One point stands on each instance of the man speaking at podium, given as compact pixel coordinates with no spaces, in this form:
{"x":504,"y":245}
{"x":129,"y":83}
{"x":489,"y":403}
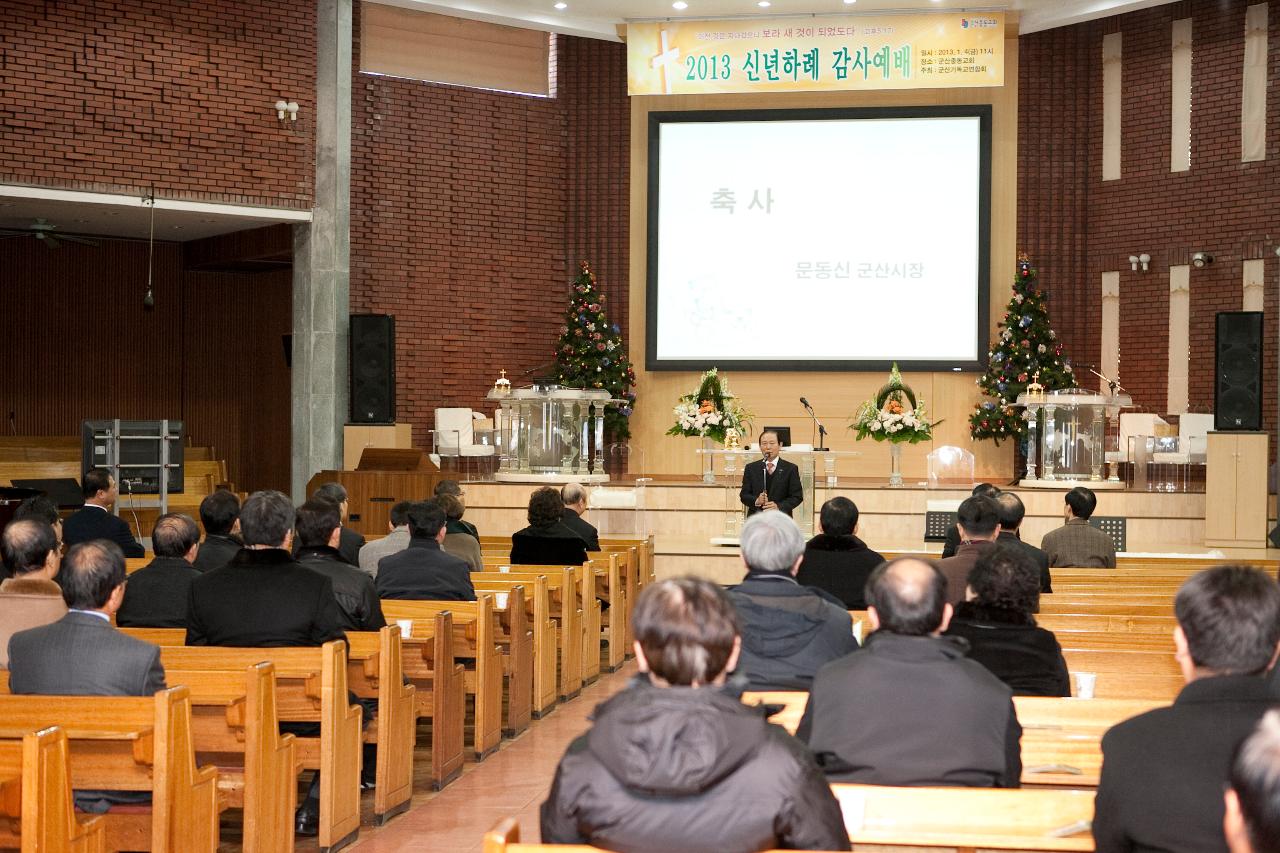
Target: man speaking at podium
{"x":771,"y":482}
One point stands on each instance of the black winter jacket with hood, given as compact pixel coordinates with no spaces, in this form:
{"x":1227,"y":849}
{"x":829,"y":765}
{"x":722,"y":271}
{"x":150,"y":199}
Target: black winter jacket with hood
{"x":689,"y":769}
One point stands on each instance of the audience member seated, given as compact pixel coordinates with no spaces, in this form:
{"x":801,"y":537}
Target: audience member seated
{"x":423,"y":571}
{"x":996,"y":618}
{"x":157,"y":595}
{"x":319,"y":523}
{"x":911,"y":708}
{"x":82,"y":654}
{"x":1078,"y":543}
{"x":836,"y":560}
{"x":574,"y":497}
{"x":674,"y":762}
{"x":30,"y":597}
{"x":264,"y":599}
{"x":788,"y":631}
{"x":952,"y":543}
{"x":350,"y":542}
{"x":1012,"y":512}
{"x":95,"y":521}
{"x":1253,"y":791}
{"x":451,"y":487}
{"x":1163,"y":772}
{"x":396,"y":540}
{"x":457,"y":542}
{"x":978,"y":520}
{"x":547,"y":541}
{"x":40,"y":508}
{"x":220,"y":515}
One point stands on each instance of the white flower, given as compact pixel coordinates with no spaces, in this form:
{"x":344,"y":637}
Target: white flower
{"x":874,"y":426}
{"x":713,"y":418}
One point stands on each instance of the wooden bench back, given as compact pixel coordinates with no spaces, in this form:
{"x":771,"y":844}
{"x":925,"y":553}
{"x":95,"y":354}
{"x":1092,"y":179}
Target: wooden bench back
{"x":35,"y":797}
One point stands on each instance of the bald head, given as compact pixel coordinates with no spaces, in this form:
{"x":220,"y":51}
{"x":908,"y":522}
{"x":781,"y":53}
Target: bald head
{"x":30,"y":545}
{"x":909,"y":596}
{"x":175,"y":535}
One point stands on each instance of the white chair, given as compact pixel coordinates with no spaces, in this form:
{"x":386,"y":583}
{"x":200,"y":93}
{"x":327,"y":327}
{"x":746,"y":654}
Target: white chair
{"x":1132,"y":425}
{"x":455,"y":437}
{"x":950,"y":467}
{"x":1192,"y":446}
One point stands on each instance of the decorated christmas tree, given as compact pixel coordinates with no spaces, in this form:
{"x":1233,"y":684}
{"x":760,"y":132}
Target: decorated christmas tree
{"x":1025,"y":350}
{"x":590,"y":353}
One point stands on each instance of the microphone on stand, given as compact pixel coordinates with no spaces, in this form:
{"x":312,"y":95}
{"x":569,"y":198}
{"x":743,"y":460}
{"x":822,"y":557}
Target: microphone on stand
{"x":822,"y":431}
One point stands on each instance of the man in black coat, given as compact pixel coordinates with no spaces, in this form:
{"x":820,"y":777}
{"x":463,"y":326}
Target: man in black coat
{"x":836,"y":560}
{"x":674,"y":762}
{"x":1163,"y":772}
{"x":424,"y":571}
{"x":910,"y":708}
{"x":318,"y":523}
{"x":1011,"y":513}
{"x":771,"y":482}
{"x":547,"y":541}
{"x":952,"y":542}
{"x":264,"y":599}
{"x":95,"y":521}
{"x":789,"y":631}
{"x":157,"y":595}
{"x":220,"y":515}
{"x":575,"y":506}
{"x":349,"y":542}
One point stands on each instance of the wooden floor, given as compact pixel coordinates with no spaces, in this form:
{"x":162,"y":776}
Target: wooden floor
{"x":514,"y":781}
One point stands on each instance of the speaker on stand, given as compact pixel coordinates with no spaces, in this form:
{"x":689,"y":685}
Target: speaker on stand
{"x":1237,"y":371}
{"x":373,"y":369}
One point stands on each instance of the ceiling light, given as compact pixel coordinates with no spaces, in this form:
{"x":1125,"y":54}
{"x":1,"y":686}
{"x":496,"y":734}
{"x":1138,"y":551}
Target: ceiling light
{"x":763,"y":4}
{"x":562,"y":6}
{"x":850,"y":2}
{"x":679,"y":5}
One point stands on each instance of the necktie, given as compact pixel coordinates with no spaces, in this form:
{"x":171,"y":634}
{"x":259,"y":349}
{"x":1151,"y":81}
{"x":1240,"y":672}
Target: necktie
{"x":770,"y":467}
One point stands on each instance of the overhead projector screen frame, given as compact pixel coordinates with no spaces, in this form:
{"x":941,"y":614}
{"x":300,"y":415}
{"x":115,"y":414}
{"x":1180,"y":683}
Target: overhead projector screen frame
{"x":975,"y":362}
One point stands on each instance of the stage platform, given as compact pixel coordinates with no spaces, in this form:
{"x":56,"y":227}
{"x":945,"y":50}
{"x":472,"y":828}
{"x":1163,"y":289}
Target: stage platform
{"x":685,"y":514}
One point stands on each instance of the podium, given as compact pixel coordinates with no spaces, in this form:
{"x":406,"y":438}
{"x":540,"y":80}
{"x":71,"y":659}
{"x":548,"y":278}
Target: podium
{"x":384,"y":477}
{"x":549,"y":434}
{"x":723,"y":469}
{"x":1070,"y":444}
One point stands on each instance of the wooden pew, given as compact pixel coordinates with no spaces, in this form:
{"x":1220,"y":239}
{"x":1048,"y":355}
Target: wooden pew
{"x":311,"y":686}
{"x":588,"y":603}
{"x":128,"y":743}
{"x":35,"y":798}
{"x":537,"y":603}
{"x":565,"y":596}
{"x":440,"y":691}
{"x":967,"y":819}
{"x":505,"y":838}
{"x":236,"y":726}
{"x":612,"y":570}
{"x":375,"y":670}
{"x":474,"y":637}
{"x":1161,"y":626}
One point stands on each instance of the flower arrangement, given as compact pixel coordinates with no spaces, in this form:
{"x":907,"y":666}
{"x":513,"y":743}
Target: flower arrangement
{"x":711,"y":411}
{"x":894,"y":415}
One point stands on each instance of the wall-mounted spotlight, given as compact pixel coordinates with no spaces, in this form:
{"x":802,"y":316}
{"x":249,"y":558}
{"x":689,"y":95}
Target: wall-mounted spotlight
{"x":1200,"y":260}
{"x":1144,"y":259}
{"x":289,"y":108}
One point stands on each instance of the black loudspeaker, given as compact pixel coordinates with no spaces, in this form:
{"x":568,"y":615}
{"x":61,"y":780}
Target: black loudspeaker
{"x":373,"y":369}
{"x":1237,"y":371}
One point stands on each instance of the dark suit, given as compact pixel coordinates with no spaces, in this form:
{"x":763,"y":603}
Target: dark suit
{"x":553,"y":545}
{"x":840,"y":565}
{"x":424,"y":572}
{"x":157,"y":595}
{"x":349,"y":545}
{"x":93,"y":522}
{"x":784,"y":486}
{"x":1163,"y":771}
{"x":1039,"y":558}
{"x":83,"y":655}
{"x":215,"y":552}
{"x":264,"y":599}
{"x":582,"y":527}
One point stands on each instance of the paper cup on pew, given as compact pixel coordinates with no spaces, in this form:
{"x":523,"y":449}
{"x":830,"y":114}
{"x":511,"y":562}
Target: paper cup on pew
{"x":500,"y":598}
{"x":504,"y":569}
{"x":406,"y":627}
{"x":1085,"y":682}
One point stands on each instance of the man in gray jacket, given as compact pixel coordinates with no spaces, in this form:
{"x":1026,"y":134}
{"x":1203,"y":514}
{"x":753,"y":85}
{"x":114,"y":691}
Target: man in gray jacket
{"x":911,"y":708}
{"x":789,"y":631}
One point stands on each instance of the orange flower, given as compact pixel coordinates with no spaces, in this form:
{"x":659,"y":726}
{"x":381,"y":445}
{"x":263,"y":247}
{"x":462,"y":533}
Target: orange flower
{"x":893,"y":407}
{"x":706,"y":407}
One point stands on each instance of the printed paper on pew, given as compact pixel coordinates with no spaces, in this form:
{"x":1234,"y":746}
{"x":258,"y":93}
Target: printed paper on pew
{"x":857,"y":630}
{"x":500,"y":598}
{"x":853,"y":805}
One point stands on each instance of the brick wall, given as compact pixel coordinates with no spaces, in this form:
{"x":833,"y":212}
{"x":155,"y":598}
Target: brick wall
{"x":1075,"y":226}
{"x":121,"y":96}
{"x":470,"y":211}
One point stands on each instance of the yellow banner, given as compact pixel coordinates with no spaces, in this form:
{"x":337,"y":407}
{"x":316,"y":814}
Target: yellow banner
{"x":931,"y":51}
